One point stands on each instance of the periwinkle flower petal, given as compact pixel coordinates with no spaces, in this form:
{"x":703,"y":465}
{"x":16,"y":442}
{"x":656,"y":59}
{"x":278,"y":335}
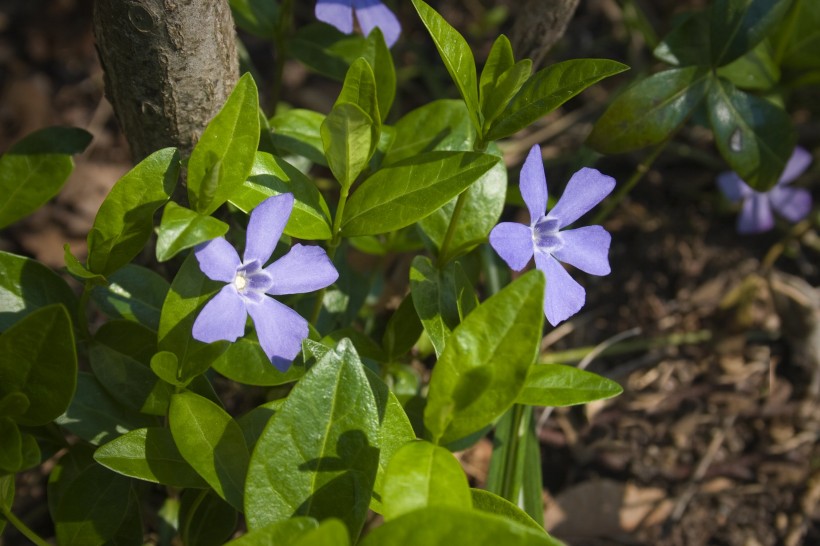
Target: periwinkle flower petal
{"x":372,"y":14}
{"x":533,"y":184}
{"x":563,"y":296}
{"x":733,"y":187}
{"x":797,"y":163}
{"x":302,"y":269}
{"x":222,"y":318}
{"x":513,"y":242}
{"x":756,"y":215}
{"x":586,"y":248}
{"x":338,"y":13}
{"x":793,"y":204}
{"x":217,"y":259}
{"x":265,"y":227}
{"x":585,"y":189}
{"x":280,"y":330}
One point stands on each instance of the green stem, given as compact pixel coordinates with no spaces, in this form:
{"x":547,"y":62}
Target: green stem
{"x":335,"y":241}
{"x":281,"y":40}
{"x":451,"y":228}
{"x":510,"y":485}
{"x":622,"y":192}
{"x":22,"y":527}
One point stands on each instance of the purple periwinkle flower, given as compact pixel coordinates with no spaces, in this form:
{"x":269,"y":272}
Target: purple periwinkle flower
{"x":586,"y":248}
{"x":279,"y":328}
{"x":370,"y":14}
{"x":756,"y":216}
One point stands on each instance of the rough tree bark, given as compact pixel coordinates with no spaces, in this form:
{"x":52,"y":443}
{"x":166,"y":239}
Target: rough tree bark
{"x":169,"y":66}
{"x":539,"y":24}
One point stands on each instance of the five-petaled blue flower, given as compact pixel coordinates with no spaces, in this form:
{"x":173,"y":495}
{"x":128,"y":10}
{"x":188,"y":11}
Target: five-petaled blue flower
{"x":303,"y":269}
{"x":370,"y":14}
{"x":793,"y":204}
{"x":586,"y":248}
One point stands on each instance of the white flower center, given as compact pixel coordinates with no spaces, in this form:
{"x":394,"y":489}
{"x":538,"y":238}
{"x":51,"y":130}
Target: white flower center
{"x":240,"y":282}
{"x":545,"y":235}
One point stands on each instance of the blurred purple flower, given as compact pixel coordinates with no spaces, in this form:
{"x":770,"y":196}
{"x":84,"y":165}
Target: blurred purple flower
{"x":586,"y":248}
{"x":793,"y":204}
{"x":370,"y":14}
{"x":303,"y":269}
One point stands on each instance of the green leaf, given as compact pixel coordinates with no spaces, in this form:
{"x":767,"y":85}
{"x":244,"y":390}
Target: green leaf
{"x":318,"y":456}
{"x":297,"y":131}
{"x":798,"y":38}
{"x":34,"y":169}
{"x":359,"y":88}
{"x":434,"y":297}
{"x":14,"y":404}
{"x":331,"y":532}
{"x":484,"y":365}
{"x":753,"y":135}
{"x":96,"y":417}
{"x":130,"y":338}
{"x":77,"y":269}
{"x":212,"y":443}
{"x":133,"y":293}
{"x":125,"y":220}
{"x":440,"y":125}
{"x":283,"y":532}
{"x":92,"y":508}
{"x":739,"y":25}
{"x":183,"y":228}
{"x":246,"y":362}
{"x":650,"y":111}
{"x":501,"y":79}
{"x":493,"y":504}
{"x":349,"y":137}
{"x":405,"y":192}
{"x":40,"y":360}
{"x":130,"y":532}
{"x":11,"y":446}
{"x":209,"y":521}
{"x":558,"y":385}
{"x":254,"y":422}
{"x":456,"y":54}
{"x":422,"y":475}
{"x":129,"y":381}
{"x":27,"y":285}
{"x":548,"y":89}
{"x":30,"y":451}
{"x":274,"y":176}
{"x":688,"y":42}
{"x":328,"y":51}
{"x":74,"y":460}
{"x":165,"y":365}
{"x":450,"y":526}
{"x":258,"y":17}
{"x":402,"y":331}
{"x":379,"y":57}
{"x":499,"y":60}
{"x":149,"y":454}
{"x":755,"y":70}
{"x":6,"y":497}
{"x":223,"y":157}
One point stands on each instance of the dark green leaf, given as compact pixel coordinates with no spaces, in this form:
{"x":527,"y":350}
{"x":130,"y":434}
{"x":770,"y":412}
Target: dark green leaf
{"x":183,"y":228}
{"x":753,"y":135}
{"x":283,"y":532}
{"x":27,"y":285}
{"x":405,"y":192}
{"x":212,"y":443}
{"x":493,"y":504}
{"x":127,"y":337}
{"x":297,"y":131}
{"x":129,"y":381}
{"x":223,"y":157}
{"x":273,"y":176}
{"x":739,"y":25}
{"x":11,"y":446}
{"x":402,"y":331}
{"x":134,"y":293}
{"x":434,"y":297}
{"x":650,"y":111}
{"x":687,"y":43}
{"x":254,"y":422}
{"x":70,"y":465}
{"x":558,"y":385}
{"x":456,"y":54}
{"x":440,"y":125}
{"x":349,"y":137}
{"x":258,"y":17}
{"x":39,"y":360}
{"x":798,"y":38}
{"x":130,"y":532}
{"x":209,"y":521}
{"x":246,"y":362}
{"x":125,"y":220}
{"x":34,"y":169}
{"x":149,"y":454}
{"x":326,"y":50}
{"x":755,"y":70}
{"x":318,"y":457}
{"x":548,"y":89}
{"x":30,"y":451}
{"x":6,"y":497}
{"x":485,"y":362}
{"x":14,"y":404}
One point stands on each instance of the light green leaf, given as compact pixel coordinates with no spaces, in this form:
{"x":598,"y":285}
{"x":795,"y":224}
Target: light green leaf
{"x":558,"y":385}
{"x":183,"y":228}
{"x":485,"y":362}
{"x":402,"y":331}
{"x":434,"y":297}
{"x":34,"y":169}
{"x":331,"y":532}
{"x":359,"y":88}
{"x":405,"y":192}
{"x":349,"y":137}
{"x":493,"y":504}
{"x":442,"y":125}
{"x":223,"y":157}
{"x":297,"y":131}
{"x":134,"y":293}
{"x":77,"y":269}
{"x":501,"y":79}
{"x":125,"y":220}
{"x":212,"y":443}
{"x":283,"y":532}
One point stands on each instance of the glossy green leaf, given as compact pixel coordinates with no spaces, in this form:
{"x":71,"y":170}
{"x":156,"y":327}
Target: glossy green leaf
{"x":212,"y":443}
{"x":310,"y":219}
{"x":209,"y":520}
{"x":129,"y":381}
{"x":493,"y":504}
{"x":349,"y":137}
{"x":422,"y":475}
{"x":133,"y":293}
{"x":485,"y":362}
{"x":687,"y":43}
{"x":739,"y":25}
{"x":40,"y":360}
{"x":755,"y":70}
{"x":650,"y":111}
{"x":501,"y":79}
{"x":318,"y":457}
{"x":402,"y":331}
{"x":223,"y":157}
{"x":125,"y":220}
{"x":440,"y":125}
{"x":558,"y":385}
{"x":11,"y":446}
{"x":283,"y":532}
{"x":34,"y":169}
{"x":456,"y":54}
{"x":149,"y":454}
{"x":359,"y":88}
{"x":753,"y":135}
{"x":379,"y":57}
{"x":165,"y":365}
{"x":130,"y":338}
{"x":798,"y":38}
{"x":548,"y":89}
{"x":499,"y":60}
{"x":450,"y":526}
{"x":434,"y":297}
{"x":258,"y":17}
{"x":96,"y":417}
{"x":27,"y":285}
{"x":331,"y":532}
{"x":183,"y":228}
{"x":77,"y":269}
{"x":297,"y":131}
{"x":254,"y":422}
{"x":405,"y":192}
{"x":92,"y":508}
{"x":245,"y":362}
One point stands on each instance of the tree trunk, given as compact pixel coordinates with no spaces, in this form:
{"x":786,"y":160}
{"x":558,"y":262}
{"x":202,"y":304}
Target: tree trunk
{"x":169,"y":67}
{"x":539,"y":24}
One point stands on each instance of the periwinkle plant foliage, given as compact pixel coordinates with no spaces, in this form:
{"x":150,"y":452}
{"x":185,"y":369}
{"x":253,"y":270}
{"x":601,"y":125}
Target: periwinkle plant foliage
{"x":127,"y":401}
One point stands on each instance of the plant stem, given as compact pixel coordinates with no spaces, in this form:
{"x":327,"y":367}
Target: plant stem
{"x":335,"y":241}
{"x":22,"y":527}
{"x":510,"y":489}
{"x":451,"y":229}
{"x":189,"y":517}
{"x":281,"y":41}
